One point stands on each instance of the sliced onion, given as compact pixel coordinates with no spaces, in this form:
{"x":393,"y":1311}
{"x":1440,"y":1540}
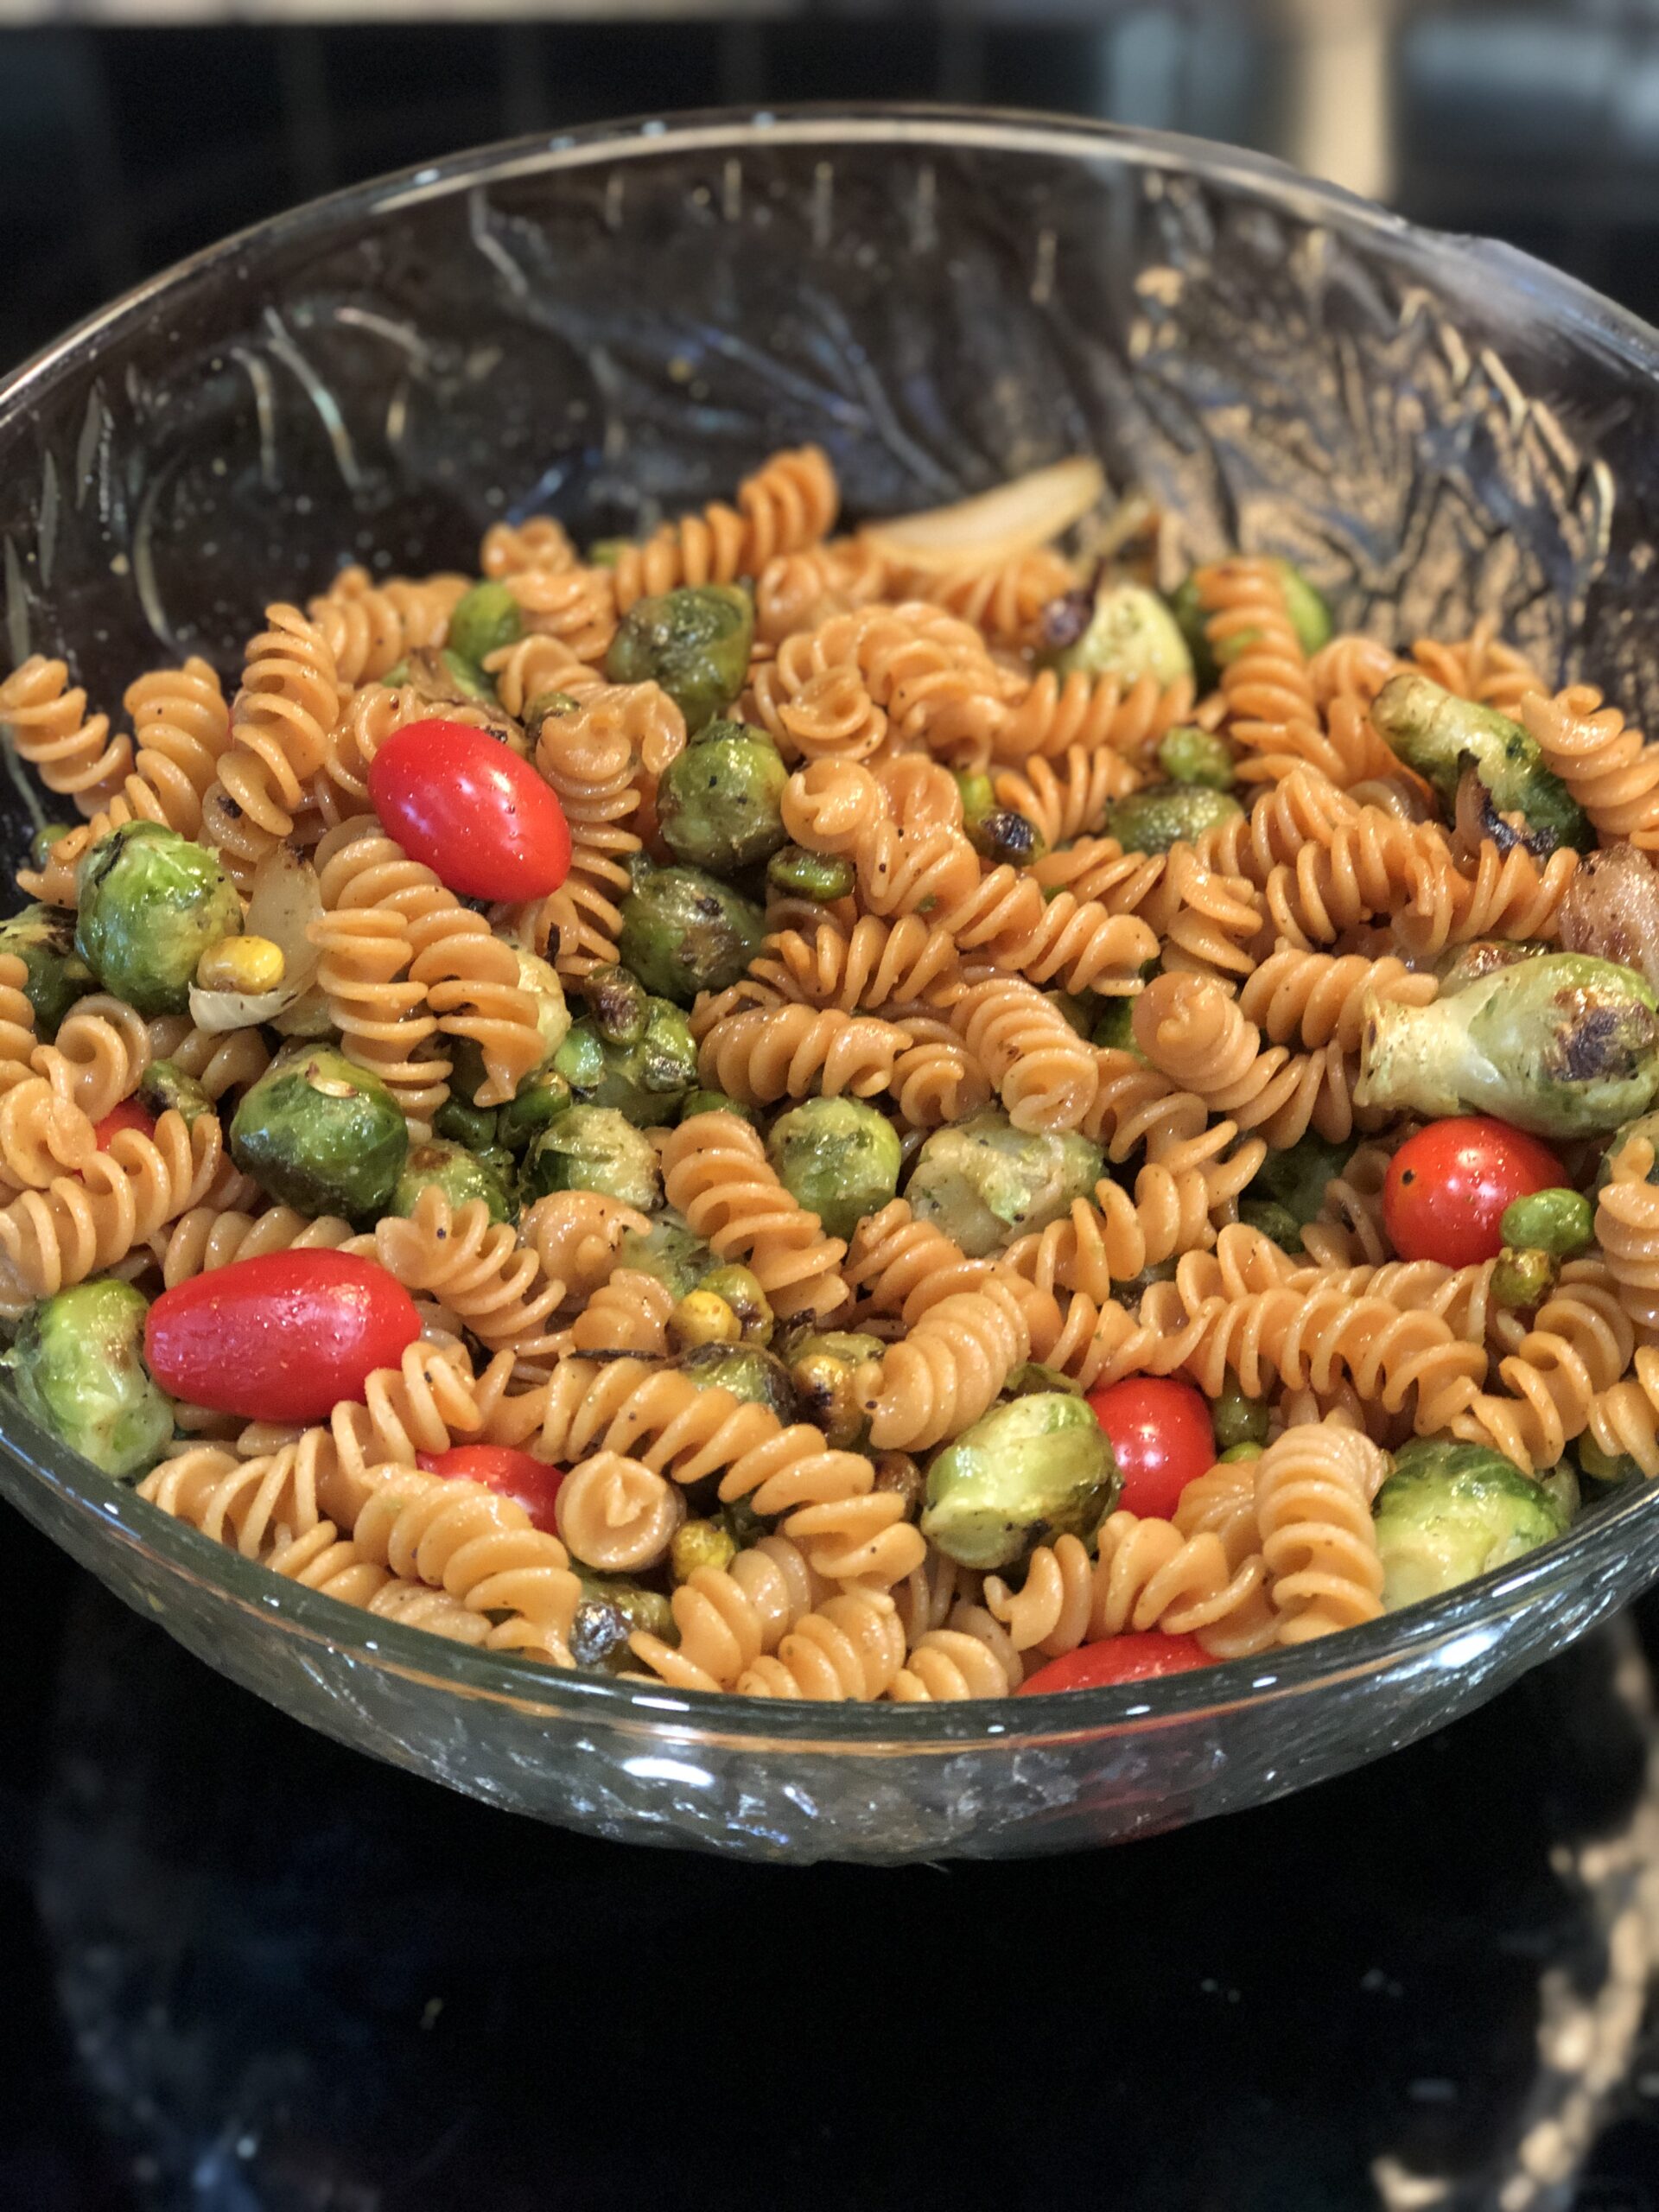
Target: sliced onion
{"x":285,"y":901}
{"x":218,"y":1011}
{"x":998,"y":525}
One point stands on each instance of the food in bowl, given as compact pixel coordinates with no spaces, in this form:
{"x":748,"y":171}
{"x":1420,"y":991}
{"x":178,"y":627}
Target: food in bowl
{"x":892,"y":1115}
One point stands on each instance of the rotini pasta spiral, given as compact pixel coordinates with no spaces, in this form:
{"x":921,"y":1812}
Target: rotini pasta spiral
{"x":288,"y":702}
{"x":1627,"y":1230}
{"x":972,"y":1656}
{"x":368,"y":628}
{"x":1190,"y":1028}
{"x":865,"y":970}
{"x":1610,"y":768}
{"x":99,"y":1056}
{"x":475,"y":1268}
{"x":851,"y":1646}
{"x":728,"y":1619}
{"x":1067,"y":803}
{"x":71,"y":751}
{"x":615,"y":1514}
{"x":208,"y":1237}
{"x":946,"y":1372}
{"x":715,"y":1173}
{"x":84,"y":1223}
{"x":789,"y":503}
{"x":41,"y":1136}
{"x":538,"y":542}
{"x":1314,"y":1492}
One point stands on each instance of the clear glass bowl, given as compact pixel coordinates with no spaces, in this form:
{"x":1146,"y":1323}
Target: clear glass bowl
{"x":619,"y":322}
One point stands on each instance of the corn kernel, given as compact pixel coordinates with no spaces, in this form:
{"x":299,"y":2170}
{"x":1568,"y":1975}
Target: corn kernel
{"x":241,"y":963}
{"x":701,"y":1318}
{"x":699,"y":1543}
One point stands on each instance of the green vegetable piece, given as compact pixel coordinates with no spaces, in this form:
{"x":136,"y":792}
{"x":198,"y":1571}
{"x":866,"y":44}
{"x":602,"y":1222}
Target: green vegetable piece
{"x":824,"y":1368}
{"x":720,"y":805}
{"x":695,"y":642}
{"x":1452,"y":1511}
{"x":1468,"y":964}
{"x":985,"y":1183}
{"x":1031,"y":1378}
{"x":150,"y":904}
{"x":1562,"y":1223}
{"x":838,"y":1158}
{"x":1523,"y":1278}
{"x":457,"y":1122}
{"x":1646,"y":1127}
{"x":1310,"y":618}
{"x":485,"y":618}
{"x":1238,"y":1419}
{"x":1162,"y":815}
{"x":594,"y":1148}
{"x":165,"y":1088}
{"x":618,"y":1005}
{"x":1033,"y":1469}
{"x":715,"y":1101}
{"x":978,"y":795}
{"x":445,"y":678}
{"x":1190,"y":755}
{"x":1237,"y":1451}
{"x":1441,"y":736}
{"x":699,"y":1543}
{"x":1006,"y":838}
{"x":1564,"y":1046}
{"x":1296,"y":1178}
{"x":646,"y":1080}
{"x":540,"y":979}
{"x":683,"y":931}
{"x":1273,"y":1220}
{"x":1607,"y":1467}
{"x":321,"y":1134}
{"x":462,"y":1176}
{"x":534,"y":1106}
{"x":897,"y":1474}
{"x":741,"y":1289}
{"x":639,"y":1607}
{"x":1114,"y":1029}
{"x":606,"y":552}
{"x":44,"y":840}
{"x":78,"y":1361}
{"x":598,"y":1633}
{"x":669,"y":1250}
{"x":55,"y":976}
{"x":1131,"y":633}
{"x":750,"y":1372}
{"x":821,"y":877}
{"x":1561,"y":1483}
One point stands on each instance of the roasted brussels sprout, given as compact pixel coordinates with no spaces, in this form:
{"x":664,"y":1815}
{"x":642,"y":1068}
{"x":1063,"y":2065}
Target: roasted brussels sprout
{"x":1238,"y":1419}
{"x":78,"y":1361}
{"x":619,"y":1005}
{"x":1190,"y":755}
{"x":484,"y":620}
{"x":444,"y":679}
{"x":594,"y":1148}
{"x":534,"y":1106}
{"x":703,"y":1317}
{"x":1560,"y":1223}
{"x":699,"y":1543}
{"x":695,"y":642}
{"x":1274,"y":1220}
{"x":599,"y":1632}
{"x":43,"y":938}
{"x":1563,"y":1046}
{"x":838,"y":1158}
{"x":320,"y":1132}
{"x":150,"y":904}
{"x":1006,"y":838}
{"x":713,"y":1102}
{"x":1295,"y":1178}
{"x":683,"y":931}
{"x":669,"y":1250}
{"x":1450,"y":1511}
{"x":1523,"y":1278}
{"x":1309,"y":615}
{"x":165,"y":1088}
{"x":475,"y":1127}
{"x":1131,"y":633}
{"x":1033,"y":1469}
{"x":1468,"y":964}
{"x":823,"y":1367}
{"x":978,"y":795}
{"x":646,"y":1079}
{"x":739,"y":1290}
{"x":462,"y":1176}
{"x":985,"y":1184}
{"x":1611,"y":909}
{"x":540,"y":979}
{"x":748,"y":1371}
{"x":1162,"y":815}
{"x":821,"y":877}
{"x":1444,"y":737}
{"x":720,"y":805}
{"x":898,"y":1474}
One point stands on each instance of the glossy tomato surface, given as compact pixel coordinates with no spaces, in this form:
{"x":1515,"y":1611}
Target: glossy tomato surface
{"x":479,"y":817}
{"x":1448,"y":1186}
{"x":281,"y":1338}
{"x":129,"y":1115}
{"x":1161,"y":1438}
{"x":529,"y":1481}
{"x":1118,"y":1659}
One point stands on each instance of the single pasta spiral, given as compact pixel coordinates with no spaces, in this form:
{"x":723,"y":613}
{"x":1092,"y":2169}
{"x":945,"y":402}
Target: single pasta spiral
{"x":1579,"y":1345}
{"x":615,"y":1514}
{"x":41,"y":1135}
{"x":368,"y":628}
{"x":99,"y":1056}
{"x":1627,"y":1230}
{"x":575,"y":606}
{"x":715,"y":1173}
{"x":850,"y":1648}
{"x":972,"y":1656}
{"x":1189,"y":1027}
{"x":789,"y":503}
{"x":83,"y":1224}
{"x":628,"y":1313}
{"x":538,"y":542}
{"x":728,"y":1617}
{"x":289,"y":702}
{"x":477,"y":1268}
{"x":1610,"y":768}
{"x":1044,"y":1071}
{"x":947,"y":1370}
{"x":1054,"y":714}
{"x":1071,"y":801}
{"x":785,"y":1052}
{"x":1313,"y":1493}
{"x":207,"y":1237}
{"x":1312,"y":999}
{"x":71,"y":751}
{"x":864,"y":971}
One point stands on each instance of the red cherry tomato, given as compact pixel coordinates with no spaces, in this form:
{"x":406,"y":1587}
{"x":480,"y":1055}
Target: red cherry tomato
{"x":282,"y":1338}
{"x":475,"y":813}
{"x":1118,"y":1659}
{"x":529,"y":1481}
{"x":1161,"y":1438}
{"x":129,"y":1115}
{"x":1448,"y":1186}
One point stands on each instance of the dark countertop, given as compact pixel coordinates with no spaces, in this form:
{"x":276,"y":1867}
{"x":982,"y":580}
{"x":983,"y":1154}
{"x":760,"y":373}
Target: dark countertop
{"x":248,"y":1971}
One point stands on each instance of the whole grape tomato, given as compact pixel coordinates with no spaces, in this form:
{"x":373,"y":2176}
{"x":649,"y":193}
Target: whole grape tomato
{"x":1447,"y":1187}
{"x":285,"y":1337}
{"x":481,"y":818}
{"x":1161,"y":1438}
{"x":529,"y":1481}
{"x":1117,"y":1659}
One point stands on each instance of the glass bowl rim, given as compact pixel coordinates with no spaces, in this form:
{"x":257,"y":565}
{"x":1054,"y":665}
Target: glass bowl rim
{"x":656,"y":1711}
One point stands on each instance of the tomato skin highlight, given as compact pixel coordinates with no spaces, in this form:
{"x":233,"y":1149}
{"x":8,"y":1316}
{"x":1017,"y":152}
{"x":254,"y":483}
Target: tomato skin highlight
{"x":1134,"y":1658}
{"x":129,"y":1115}
{"x":1448,"y":1186}
{"x":282,"y":1338}
{"x":458,"y":800}
{"x":1161,"y":1436}
{"x":528,"y":1482}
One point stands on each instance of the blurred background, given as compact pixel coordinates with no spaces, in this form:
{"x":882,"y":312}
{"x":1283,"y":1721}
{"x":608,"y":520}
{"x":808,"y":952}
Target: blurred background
{"x":133,"y":132}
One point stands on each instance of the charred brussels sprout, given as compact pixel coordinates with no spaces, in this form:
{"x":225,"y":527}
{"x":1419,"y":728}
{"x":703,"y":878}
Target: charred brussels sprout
{"x":462,"y":1176}
{"x":485,"y":618}
{"x":683,"y":931}
{"x":739,"y":1290}
{"x":695,"y":642}
{"x":55,"y":976}
{"x":838,"y":1158}
{"x":1560,"y":1223}
{"x":821,"y":877}
{"x":1444,"y":737}
{"x":1131,"y":633}
{"x":534,"y":1106}
{"x":1450,"y":1511}
{"x":150,"y":904}
{"x":1564,"y":1046}
{"x":823,"y":1367}
{"x":703,"y":1317}
{"x":1033,"y":1468}
{"x":1469,"y":963}
{"x":1006,"y":838}
{"x":720,"y":805}
{"x":985,"y":1183}
{"x":1522,"y":1278}
{"x":714,"y":1102}
{"x":1309,"y":617}
{"x":1189,"y":755}
{"x":594,"y":1148}
{"x":164,"y":1088}
{"x":646,"y":1079}
{"x":1162,"y":815}
{"x":978,"y":795}
{"x":748,"y":1371}
{"x":321,"y":1134}
{"x":669,"y":1250}
{"x":619,"y":1005}
{"x":77,"y":1361}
